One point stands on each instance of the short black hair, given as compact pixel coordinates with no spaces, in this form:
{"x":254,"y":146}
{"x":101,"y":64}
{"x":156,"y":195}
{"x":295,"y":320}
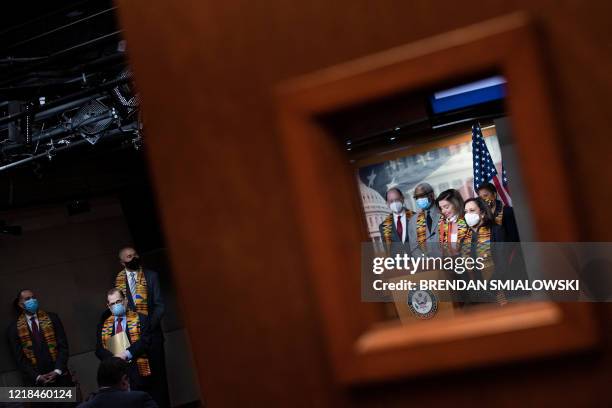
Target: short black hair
{"x":394,"y":189}
{"x":487,"y":186}
{"x":111,"y":371}
{"x":485,"y":210}
{"x":425,"y":186}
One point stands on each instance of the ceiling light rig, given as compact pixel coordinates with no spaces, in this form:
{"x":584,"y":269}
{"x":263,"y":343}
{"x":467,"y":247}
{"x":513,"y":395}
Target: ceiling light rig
{"x":114,"y":113}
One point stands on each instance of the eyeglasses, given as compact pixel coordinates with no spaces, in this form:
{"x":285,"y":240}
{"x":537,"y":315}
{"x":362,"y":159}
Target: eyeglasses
{"x":116,"y":303}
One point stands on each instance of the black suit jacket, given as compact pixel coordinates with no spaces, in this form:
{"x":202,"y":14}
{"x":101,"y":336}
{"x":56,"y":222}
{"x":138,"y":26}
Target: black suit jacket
{"x":511,"y":233}
{"x":116,"y":398}
{"x":155,"y":301}
{"x":44,"y":363}
{"x":509,"y":224}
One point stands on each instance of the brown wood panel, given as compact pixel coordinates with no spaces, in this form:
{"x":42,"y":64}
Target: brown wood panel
{"x":206,"y":72}
{"x":512,"y":46}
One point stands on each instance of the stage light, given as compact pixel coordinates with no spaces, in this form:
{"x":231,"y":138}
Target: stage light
{"x":93,"y":118}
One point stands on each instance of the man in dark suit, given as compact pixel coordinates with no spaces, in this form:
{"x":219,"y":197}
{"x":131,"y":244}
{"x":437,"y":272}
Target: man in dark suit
{"x":136,"y":328}
{"x":395,"y":228}
{"x":114,"y":390}
{"x":39,"y":343}
{"x":424,"y":226}
{"x":144,"y":296}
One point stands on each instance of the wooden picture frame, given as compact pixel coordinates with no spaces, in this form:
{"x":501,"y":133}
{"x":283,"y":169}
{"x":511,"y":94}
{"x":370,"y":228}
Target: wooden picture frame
{"x":361,"y":348}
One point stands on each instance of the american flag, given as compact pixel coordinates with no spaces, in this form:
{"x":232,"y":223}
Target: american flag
{"x":484,"y":168}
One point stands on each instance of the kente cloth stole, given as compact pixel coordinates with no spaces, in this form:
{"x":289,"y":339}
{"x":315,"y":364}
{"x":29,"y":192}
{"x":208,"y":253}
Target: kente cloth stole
{"x":499,"y":218}
{"x":483,"y":243}
{"x":45,"y":326}
{"x":421,"y":229}
{"x":444,"y":231}
{"x":140,"y":299}
{"x":132,"y":325}
{"x":483,"y":249}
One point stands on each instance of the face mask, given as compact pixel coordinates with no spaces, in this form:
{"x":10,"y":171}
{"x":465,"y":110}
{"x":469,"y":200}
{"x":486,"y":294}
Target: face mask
{"x":490,"y":202}
{"x":133,"y":265}
{"x":472,"y":219}
{"x":396,"y":206}
{"x":453,"y":218}
{"x":118,"y":309}
{"x":422,"y":203}
{"x":31,"y":305}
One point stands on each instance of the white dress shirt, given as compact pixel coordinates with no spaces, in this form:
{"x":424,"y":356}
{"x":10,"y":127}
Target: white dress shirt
{"x":402,"y":217}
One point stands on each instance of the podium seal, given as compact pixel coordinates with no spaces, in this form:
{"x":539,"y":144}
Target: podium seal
{"x":422,"y":303}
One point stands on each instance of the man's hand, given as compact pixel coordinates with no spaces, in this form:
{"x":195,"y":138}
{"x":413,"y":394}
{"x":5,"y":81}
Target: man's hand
{"x":50,"y":377}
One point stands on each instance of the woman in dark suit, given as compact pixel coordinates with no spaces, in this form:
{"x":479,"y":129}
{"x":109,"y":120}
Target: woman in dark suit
{"x":477,"y":242}
{"x":502,"y":214}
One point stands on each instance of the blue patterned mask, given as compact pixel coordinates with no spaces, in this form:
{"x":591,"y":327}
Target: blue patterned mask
{"x":118,"y":309}
{"x":31,"y":305}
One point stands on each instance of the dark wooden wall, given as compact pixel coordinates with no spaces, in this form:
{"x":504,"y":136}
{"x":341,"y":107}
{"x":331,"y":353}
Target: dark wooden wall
{"x":206,"y":70}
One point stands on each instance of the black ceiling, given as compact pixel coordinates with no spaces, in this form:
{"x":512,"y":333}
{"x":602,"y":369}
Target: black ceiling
{"x":44,"y":49}
{"x":72,"y":54}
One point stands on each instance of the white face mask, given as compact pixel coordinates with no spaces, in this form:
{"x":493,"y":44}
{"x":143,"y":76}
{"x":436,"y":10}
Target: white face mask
{"x":472,"y":219}
{"x":396,"y":206}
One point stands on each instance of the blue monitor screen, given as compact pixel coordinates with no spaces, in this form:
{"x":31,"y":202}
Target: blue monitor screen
{"x":473,"y":93}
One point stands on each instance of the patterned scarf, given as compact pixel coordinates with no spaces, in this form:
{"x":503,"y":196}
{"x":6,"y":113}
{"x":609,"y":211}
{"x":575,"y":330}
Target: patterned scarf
{"x":483,"y":245}
{"x":499,"y":210}
{"x":421,"y":229}
{"x":132,"y":325}
{"x":499,"y":217}
{"x":45,"y":327}
{"x":483,"y":248}
{"x":387,"y":224}
{"x":140,"y":299}
{"x":444,"y":229}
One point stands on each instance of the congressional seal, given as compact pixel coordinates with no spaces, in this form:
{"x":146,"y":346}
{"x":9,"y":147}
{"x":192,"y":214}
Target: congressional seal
{"x":422,"y":303}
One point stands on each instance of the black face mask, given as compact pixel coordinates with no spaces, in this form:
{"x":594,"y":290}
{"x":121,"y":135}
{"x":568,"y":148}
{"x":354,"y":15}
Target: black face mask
{"x":134,"y":264}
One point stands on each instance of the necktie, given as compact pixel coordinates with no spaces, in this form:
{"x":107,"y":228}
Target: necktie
{"x":429,"y":221}
{"x":400,"y":228}
{"x":35,"y":331}
{"x":119,"y":328}
{"x":133,"y":283}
